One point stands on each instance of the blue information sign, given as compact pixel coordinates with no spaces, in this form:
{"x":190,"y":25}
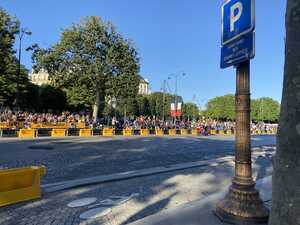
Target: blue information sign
{"x":240,"y":50}
{"x":238,"y":25}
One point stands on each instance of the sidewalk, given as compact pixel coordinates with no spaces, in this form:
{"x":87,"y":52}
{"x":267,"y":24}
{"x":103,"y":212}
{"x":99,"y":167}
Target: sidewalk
{"x":201,"y":212}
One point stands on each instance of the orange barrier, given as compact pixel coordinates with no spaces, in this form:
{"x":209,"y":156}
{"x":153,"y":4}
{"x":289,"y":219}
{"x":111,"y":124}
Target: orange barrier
{"x":85,"y":132}
{"x":4,"y":125}
{"x":183,"y":131}
{"x":144,"y":132}
{"x":159,"y":132}
{"x":194,"y":132}
{"x":127,"y":132}
{"x":58,"y":133}
{"x":26,"y":133}
{"x":80,"y":125}
{"x":172,"y":132}
{"x":60,"y":125}
{"x":108,"y":132}
{"x":20,"y":184}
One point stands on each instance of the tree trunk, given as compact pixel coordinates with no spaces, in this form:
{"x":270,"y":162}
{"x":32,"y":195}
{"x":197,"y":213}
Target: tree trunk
{"x":96,"y":105}
{"x":286,"y":177}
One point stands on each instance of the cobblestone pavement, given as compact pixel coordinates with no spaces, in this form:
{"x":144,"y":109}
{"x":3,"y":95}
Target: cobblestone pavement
{"x":156,"y":193}
{"x":73,"y":158}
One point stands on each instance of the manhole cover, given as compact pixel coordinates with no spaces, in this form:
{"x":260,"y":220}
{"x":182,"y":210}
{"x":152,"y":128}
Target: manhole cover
{"x":82,"y":202}
{"x":41,"y":147}
{"x":95,"y":213}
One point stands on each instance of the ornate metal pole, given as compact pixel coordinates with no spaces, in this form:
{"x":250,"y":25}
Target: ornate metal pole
{"x":242,"y":205}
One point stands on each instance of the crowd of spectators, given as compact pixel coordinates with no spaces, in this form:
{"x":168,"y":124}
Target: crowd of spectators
{"x":203,"y":125}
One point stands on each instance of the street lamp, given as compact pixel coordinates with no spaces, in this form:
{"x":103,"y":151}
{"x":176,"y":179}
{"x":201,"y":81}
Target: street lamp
{"x":22,"y":32}
{"x":176,"y":85}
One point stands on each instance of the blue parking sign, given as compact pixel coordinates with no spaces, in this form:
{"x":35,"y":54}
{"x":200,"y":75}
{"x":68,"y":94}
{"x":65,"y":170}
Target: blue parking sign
{"x":238,"y":25}
{"x":238,"y":18}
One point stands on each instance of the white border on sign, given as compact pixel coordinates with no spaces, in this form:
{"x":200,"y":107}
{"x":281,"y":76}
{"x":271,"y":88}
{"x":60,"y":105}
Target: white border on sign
{"x":243,"y":33}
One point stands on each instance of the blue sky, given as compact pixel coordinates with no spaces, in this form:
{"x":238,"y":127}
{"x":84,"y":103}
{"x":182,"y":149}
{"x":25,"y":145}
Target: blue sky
{"x":171,"y":36}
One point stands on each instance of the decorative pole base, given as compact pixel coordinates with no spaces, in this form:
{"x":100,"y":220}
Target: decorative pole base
{"x":242,"y":206}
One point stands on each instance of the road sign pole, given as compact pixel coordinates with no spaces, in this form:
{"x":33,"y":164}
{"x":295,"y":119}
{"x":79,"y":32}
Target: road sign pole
{"x":242,"y":205}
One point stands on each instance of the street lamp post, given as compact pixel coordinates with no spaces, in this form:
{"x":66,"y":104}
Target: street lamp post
{"x":22,"y":32}
{"x":242,"y":205}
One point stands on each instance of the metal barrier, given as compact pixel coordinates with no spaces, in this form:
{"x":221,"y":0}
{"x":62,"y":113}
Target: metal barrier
{"x":20,"y":184}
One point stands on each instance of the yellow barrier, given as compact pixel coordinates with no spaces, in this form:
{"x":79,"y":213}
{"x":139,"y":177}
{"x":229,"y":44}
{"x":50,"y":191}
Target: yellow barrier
{"x":144,"y":132}
{"x":159,"y":132}
{"x":58,"y":133}
{"x":80,"y":125}
{"x":221,"y":132}
{"x":213,"y":132}
{"x":26,"y":133}
{"x":172,"y":132}
{"x":4,"y":125}
{"x":108,"y":132}
{"x":127,"y":132}
{"x":85,"y":132}
{"x":20,"y":184}
{"x":228,"y":132}
{"x":183,"y":131}
{"x":194,"y":132}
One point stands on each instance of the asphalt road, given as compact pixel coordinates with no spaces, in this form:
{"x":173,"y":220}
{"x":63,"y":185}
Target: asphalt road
{"x":74,"y":158}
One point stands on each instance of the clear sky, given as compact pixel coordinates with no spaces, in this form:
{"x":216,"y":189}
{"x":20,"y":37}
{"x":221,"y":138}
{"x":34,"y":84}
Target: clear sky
{"x":171,"y":36}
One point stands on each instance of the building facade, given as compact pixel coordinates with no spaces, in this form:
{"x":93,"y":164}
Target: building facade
{"x":144,"y":87}
{"x":40,"y":78}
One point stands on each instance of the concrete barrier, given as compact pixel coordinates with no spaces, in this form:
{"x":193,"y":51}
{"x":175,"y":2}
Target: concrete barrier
{"x":108,"y":132}
{"x":85,"y":132}
{"x":20,"y":184}
{"x":144,"y":132}
{"x":26,"y":133}
{"x":127,"y":132}
{"x":159,"y":132}
{"x":58,"y":132}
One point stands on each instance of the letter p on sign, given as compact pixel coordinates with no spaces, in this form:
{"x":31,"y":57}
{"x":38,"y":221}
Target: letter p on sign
{"x":234,"y":17}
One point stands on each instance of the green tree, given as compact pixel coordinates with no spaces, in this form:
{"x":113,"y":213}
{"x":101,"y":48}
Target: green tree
{"x":265,"y":109}
{"x":221,"y":108}
{"x":190,"y":111}
{"x":9,"y":28}
{"x":91,"y":61}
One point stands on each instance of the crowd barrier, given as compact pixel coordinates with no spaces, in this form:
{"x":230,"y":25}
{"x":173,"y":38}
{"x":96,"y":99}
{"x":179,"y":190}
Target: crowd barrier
{"x":109,"y":132}
{"x":20,"y":184}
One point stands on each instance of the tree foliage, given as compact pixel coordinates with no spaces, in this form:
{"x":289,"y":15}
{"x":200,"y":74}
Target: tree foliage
{"x":91,"y":61}
{"x":190,"y":111}
{"x":221,"y":108}
{"x":264,"y":109}
{"x":9,"y":28}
